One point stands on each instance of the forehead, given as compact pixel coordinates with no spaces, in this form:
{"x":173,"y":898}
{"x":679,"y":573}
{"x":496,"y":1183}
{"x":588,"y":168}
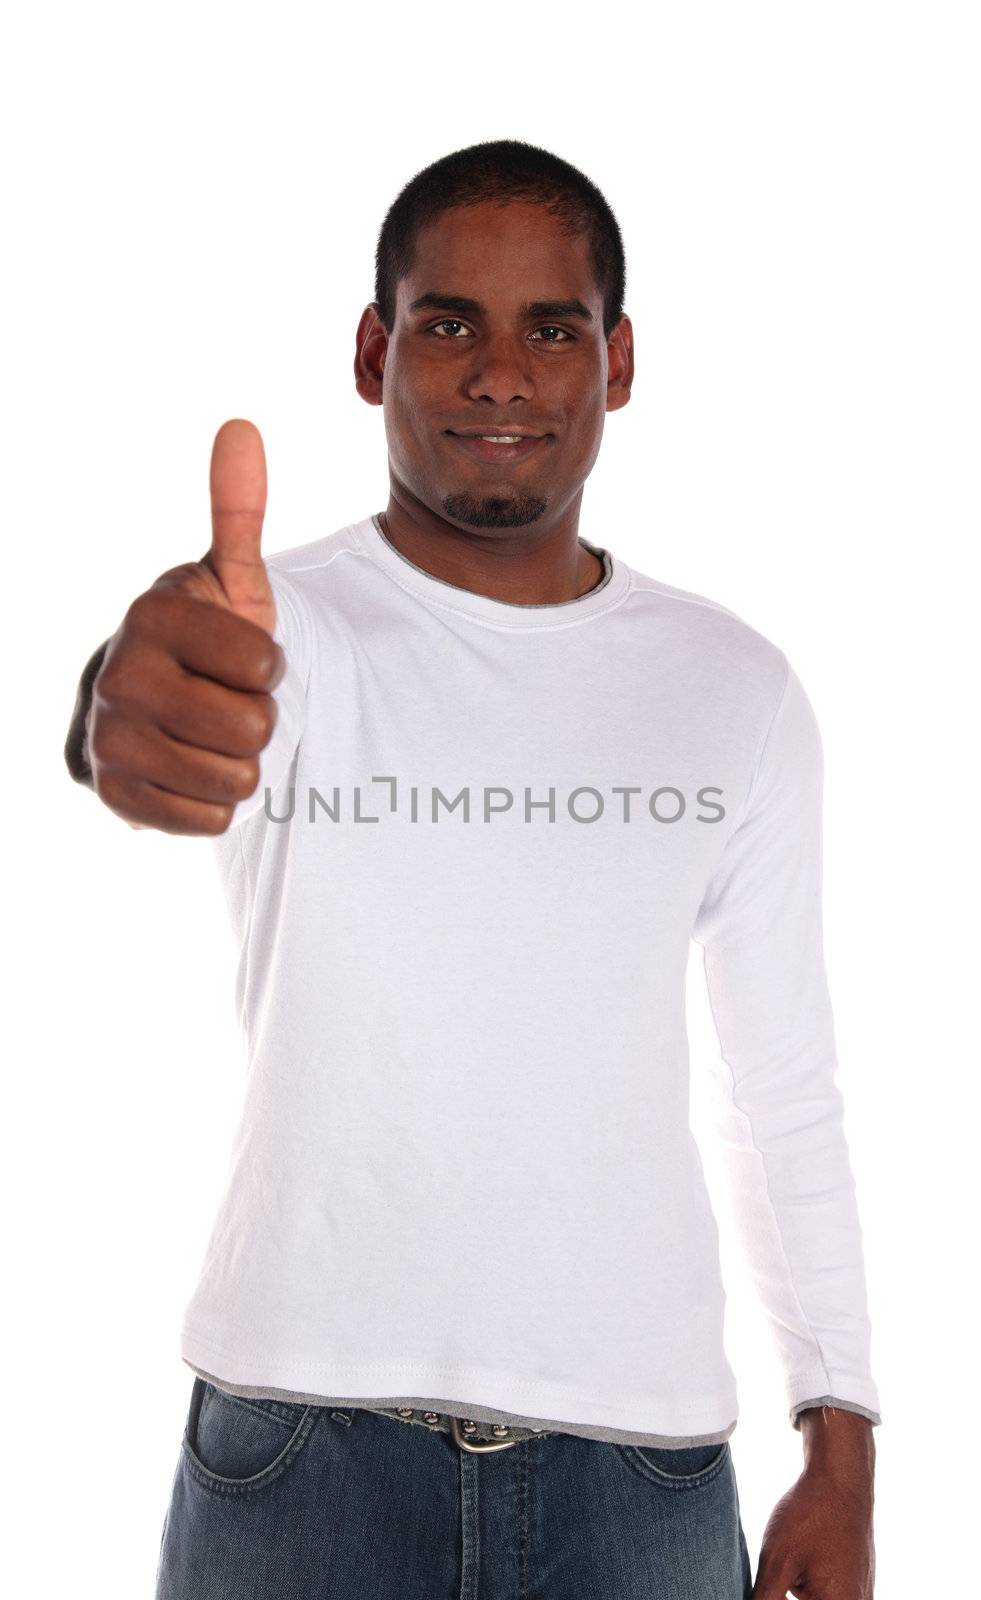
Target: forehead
{"x":499,"y":253}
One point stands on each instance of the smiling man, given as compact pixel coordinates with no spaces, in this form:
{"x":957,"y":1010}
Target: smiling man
{"x":474,"y":785}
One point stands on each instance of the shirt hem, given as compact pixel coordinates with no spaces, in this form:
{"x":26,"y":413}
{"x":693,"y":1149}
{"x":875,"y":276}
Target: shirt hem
{"x":414,"y":1383}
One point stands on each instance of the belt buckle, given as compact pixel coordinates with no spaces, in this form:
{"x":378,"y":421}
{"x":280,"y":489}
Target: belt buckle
{"x":481,"y":1447}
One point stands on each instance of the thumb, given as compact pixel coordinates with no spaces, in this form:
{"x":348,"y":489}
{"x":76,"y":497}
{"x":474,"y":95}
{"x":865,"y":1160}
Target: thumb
{"x":238,"y":506}
{"x":772,"y":1583}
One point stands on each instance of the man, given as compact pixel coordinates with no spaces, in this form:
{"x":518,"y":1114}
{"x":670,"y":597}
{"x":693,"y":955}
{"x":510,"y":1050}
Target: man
{"x":474,"y":784}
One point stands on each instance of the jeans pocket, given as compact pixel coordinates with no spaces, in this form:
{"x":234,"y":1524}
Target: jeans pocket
{"x":685,"y":1467}
{"x":237,"y":1443}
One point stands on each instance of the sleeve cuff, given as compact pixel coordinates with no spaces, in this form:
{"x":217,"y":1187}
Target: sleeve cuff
{"x":837,"y":1403}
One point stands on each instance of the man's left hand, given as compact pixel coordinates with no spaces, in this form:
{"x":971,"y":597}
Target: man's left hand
{"x":818,"y":1543}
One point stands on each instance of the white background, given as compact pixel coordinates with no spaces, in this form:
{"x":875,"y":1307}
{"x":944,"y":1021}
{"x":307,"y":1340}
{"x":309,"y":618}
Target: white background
{"x":192,"y":198}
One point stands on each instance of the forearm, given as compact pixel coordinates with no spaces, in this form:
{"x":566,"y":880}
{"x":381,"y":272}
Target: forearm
{"x":76,"y":748}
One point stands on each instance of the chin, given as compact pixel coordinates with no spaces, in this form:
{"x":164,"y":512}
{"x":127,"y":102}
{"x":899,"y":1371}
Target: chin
{"x":494,"y":511}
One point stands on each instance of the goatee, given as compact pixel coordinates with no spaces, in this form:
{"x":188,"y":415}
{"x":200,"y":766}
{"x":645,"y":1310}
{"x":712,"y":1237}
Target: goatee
{"x":482,"y":511}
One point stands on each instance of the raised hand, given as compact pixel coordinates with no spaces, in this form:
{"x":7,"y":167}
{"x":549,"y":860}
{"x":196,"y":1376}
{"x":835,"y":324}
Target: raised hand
{"x":182,"y":705}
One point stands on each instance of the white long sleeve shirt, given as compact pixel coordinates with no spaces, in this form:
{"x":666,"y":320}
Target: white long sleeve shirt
{"x":464,"y":892}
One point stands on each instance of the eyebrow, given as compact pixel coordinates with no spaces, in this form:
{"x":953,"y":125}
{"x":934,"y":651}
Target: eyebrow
{"x":473,"y":308}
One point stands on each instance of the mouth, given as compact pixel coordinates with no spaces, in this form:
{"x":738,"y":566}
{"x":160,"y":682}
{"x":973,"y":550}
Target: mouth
{"x":497,"y":446}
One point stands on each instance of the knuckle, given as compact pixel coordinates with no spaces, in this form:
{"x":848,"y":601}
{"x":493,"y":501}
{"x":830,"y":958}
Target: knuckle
{"x":118,"y":683}
{"x":182,"y":576}
{"x":154,"y":612}
{"x":245,"y":779}
{"x":258,"y":723}
{"x":234,"y":780}
{"x":268,"y":722}
{"x":141,"y":611}
{"x":270,"y":662}
{"x":108,"y":742}
{"x":218,"y":820}
{"x":106,"y":684}
{"x":115,"y":793}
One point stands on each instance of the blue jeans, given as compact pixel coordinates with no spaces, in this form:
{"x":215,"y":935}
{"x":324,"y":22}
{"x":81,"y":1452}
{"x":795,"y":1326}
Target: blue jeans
{"x":272,"y":1499}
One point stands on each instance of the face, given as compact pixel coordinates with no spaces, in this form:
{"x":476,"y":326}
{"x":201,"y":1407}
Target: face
{"x":498,"y":330}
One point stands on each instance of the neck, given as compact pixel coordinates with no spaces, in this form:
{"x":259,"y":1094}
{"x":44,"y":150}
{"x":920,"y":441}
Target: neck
{"x":541,"y":563}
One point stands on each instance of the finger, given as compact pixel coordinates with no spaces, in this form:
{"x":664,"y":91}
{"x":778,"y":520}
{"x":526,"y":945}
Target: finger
{"x":144,"y":805}
{"x":185,"y":708}
{"x":238,"y":507}
{"x":225,"y":722}
{"x":147,"y":754}
{"x":769,"y":1586}
{"x":221,"y":645}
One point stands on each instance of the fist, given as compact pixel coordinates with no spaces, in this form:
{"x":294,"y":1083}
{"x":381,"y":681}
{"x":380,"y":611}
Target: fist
{"x":182,"y":705}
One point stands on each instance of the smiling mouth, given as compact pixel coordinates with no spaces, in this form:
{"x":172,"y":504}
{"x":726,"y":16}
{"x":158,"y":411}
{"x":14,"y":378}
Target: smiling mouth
{"x":497,"y":447}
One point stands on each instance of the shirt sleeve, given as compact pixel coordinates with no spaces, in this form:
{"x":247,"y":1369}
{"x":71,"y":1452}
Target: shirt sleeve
{"x":780,"y":1115}
{"x":294,"y":632}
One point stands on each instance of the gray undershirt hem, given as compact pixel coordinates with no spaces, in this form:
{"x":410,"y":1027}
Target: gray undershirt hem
{"x":478,"y":1413}
{"x":836,"y":1405}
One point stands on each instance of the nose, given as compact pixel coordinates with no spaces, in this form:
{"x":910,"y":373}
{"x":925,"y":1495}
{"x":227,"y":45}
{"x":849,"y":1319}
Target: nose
{"x":501,"y":371}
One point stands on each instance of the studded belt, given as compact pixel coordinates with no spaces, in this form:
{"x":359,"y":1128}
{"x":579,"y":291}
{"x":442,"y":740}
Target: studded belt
{"x":476,"y":1436}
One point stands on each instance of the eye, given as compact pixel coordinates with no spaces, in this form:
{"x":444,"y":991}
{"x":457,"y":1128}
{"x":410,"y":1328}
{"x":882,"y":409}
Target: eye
{"x":447,"y":322}
{"x":549,"y":328}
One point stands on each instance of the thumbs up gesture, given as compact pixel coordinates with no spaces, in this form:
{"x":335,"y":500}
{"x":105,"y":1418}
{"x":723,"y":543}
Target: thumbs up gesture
{"x":182,"y":705}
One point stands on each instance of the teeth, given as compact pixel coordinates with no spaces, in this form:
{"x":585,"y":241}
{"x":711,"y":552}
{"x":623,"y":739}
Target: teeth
{"x":501,"y":438}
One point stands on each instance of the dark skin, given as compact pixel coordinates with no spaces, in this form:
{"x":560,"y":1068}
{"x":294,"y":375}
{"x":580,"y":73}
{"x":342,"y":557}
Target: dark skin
{"x":494,"y":365}
{"x":174,"y":709}
{"x":818,"y":1543}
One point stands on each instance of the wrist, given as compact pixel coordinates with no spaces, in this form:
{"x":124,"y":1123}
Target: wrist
{"x":837,"y":1440}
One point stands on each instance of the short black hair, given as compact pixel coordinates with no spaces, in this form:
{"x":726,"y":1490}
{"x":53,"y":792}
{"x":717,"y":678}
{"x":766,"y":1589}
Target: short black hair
{"x":502,"y":170}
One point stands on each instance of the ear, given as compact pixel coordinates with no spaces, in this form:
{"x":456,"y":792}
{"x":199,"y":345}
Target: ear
{"x":371,"y":348}
{"x":620,"y":357}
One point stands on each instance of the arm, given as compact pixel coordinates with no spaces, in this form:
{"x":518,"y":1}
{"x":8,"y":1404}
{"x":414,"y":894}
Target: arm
{"x":760,"y":925}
